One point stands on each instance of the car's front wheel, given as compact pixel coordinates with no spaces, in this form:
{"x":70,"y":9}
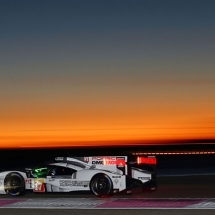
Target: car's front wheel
{"x":101,"y":185}
{"x":14,"y":184}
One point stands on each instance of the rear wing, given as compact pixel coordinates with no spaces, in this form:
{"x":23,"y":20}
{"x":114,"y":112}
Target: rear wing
{"x":147,"y":163}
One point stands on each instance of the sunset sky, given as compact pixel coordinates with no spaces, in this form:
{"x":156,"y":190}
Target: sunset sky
{"x":75,"y":72}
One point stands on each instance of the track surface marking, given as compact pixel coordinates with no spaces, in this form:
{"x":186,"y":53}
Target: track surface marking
{"x":112,"y":203}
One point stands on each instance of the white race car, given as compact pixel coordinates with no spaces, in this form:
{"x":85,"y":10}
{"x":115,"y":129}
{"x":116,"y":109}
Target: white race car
{"x":102,"y":175}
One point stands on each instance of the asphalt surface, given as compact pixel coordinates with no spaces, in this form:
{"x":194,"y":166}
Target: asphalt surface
{"x":105,"y":212}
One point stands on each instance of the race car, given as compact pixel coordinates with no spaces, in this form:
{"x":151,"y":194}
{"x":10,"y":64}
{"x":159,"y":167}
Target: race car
{"x":102,"y":175}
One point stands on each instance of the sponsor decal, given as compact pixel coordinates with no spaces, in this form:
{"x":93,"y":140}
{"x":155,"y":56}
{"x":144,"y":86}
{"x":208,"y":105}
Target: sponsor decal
{"x":116,"y":176}
{"x":108,"y":161}
{"x":116,"y":181}
{"x":102,"y":158}
{"x":39,"y":185}
{"x":86,"y":159}
{"x":120,"y":162}
{"x":104,"y":162}
{"x":144,"y":178}
{"x":59,"y":158}
{"x":69,"y":183}
{"x":97,"y":162}
{"x":27,"y":181}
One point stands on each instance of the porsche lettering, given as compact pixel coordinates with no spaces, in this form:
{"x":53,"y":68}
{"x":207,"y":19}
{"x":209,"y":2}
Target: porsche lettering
{"x":102,"y":158}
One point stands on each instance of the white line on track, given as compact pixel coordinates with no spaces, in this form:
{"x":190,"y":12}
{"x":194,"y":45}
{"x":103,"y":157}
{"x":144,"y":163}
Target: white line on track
{"x":111,"y":203}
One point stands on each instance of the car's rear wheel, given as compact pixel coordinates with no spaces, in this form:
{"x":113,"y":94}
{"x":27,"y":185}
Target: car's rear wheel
{"x":101,"y":185}
{"x":14,"y":184}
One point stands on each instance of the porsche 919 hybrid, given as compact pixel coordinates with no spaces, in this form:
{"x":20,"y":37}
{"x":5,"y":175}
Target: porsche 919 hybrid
{"x":102,"y":175}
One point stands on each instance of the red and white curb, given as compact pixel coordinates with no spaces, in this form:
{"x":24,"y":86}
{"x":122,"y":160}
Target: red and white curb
{"x":109,"y":203}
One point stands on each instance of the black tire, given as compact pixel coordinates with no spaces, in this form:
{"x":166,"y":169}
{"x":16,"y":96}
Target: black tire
{"x":101,"y":185}
{"x":14,"y":184}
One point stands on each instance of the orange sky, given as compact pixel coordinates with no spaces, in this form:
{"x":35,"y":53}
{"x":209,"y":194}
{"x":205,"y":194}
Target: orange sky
{"x":106,"y":114}
{"x":104,"y":125}
{"x":78,"y":73}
